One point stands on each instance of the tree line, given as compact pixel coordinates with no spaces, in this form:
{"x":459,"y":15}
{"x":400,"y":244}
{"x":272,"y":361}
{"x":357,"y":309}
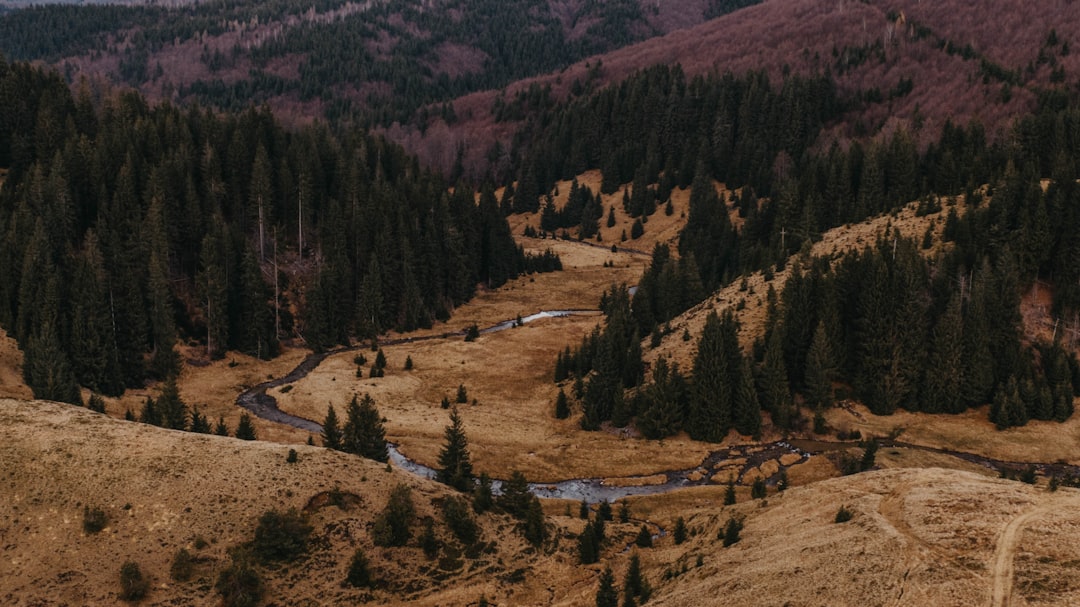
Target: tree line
{"x":128,"y":227}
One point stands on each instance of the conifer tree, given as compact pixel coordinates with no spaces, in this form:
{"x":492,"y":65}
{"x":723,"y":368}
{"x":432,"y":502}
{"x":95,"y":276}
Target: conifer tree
{"x":515,"y":496}
{"x":455,"y":469}
{"x":711,"y":401}
{"x":747,"y":413}
{"x":199,"y":423}
{"x":221,"y":429}
{"x":942,"y":384}
{"x":634,"y":584}
{"x":606,"y":594}
{"x":171,"y":407}
{"x":775,"y":396}
{"x":588,"y":546}
{"x":562,"y":406}
{"x":644,"y":537}
{"x":331,"y":432}
{"x":363,"y":433}
{"x":819,"y":370}
{"x":245,"y":430}
{"x":150,"y":414}
{"x":535,"y":528}
{"x":93,"y":351}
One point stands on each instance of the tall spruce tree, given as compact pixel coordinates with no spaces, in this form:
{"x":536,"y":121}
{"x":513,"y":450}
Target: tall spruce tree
{"x":331,"y":431}
{"x":819,"y":370}
{"x":455,"y":469}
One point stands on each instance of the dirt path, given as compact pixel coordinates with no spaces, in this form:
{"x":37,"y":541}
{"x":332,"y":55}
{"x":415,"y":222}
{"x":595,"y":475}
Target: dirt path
{"x":1005,"y":555}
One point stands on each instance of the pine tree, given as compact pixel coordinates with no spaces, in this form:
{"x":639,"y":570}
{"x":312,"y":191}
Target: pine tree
{"x":819,"y":370}
{"x":942,"y":384}
{"x":535,"y":528}
{"x":515,"y":496}
{"x":455,"y":469}
{"x":644,"y":537}
{"x":363,"y":433}
{"x":93,"y":351}
{"x":331,"y":432}
{"x":634,"y":584}
{"x":588,"y":546}
{"x":562,"y":406}
{"x":711,"y":401}
{"x":245,"y":430}
{"x":774,"y":394}
{"x":171,"y":407}
{"x":199,"y":423}
{"x":221,"y":429}
{"x":482,"y":496}
{"x":747,"y":412}
{"x":607,"y":595}
{"x":150,"y":414}
{"x":679,"y":533}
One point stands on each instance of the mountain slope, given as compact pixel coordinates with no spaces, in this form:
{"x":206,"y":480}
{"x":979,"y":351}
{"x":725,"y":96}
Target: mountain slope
{"x":898,"y":63}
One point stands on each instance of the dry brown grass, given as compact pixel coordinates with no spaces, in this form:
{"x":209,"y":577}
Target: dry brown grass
{"x":162,"y":490}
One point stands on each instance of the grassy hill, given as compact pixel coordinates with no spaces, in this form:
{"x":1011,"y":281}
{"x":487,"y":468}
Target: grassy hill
{"x":916,"y":537}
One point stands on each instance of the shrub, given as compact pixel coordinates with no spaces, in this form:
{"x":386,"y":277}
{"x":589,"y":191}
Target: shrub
{"x":1028,"y":475}
{"x":428,"y":542}
{"x":731,"y":531}
{"x":408,"y":363}
{"x":758,"y":490}
{"x":472,"y":333}
{"x":94,"y":519}
{"x":459,"y":520}
{"x":291,"y":457}
{"x":239,"y":584}
{"x":183,"y":566}
{"x":359,"y":575}
{"x":843,"y":515}
{"x":133,"y":586}
{"x":462,"y":395}
{"x":392,"y":524}
{"x":281,"y":536}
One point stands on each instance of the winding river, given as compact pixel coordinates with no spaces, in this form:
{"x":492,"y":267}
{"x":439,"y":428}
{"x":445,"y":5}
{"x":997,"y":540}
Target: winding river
{"x":256,"y":400}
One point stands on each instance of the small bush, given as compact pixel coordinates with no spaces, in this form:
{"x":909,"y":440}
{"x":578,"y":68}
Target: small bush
{"x":133,"y":586}
{"x":1028,"y":475}
{"x":462,"y":395}
{"x":94,"y":520}
{"x":758,"y":489}
{"x":843,"y":515}
{"x":459,"y":520}
{"x":392,"y":524}
{"x":408,"y":363}
{"x":732,"y":531}
{"x":183,"y":566}
{"x":291,"y":458}
{"x":359,"y":575}
{"x":281,"y":536}
{"x":240,"y":584}
{"x":472,"y":333}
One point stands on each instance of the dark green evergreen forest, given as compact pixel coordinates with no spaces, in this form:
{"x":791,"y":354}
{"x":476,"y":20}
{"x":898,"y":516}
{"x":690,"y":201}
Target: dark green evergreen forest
{"x":900,"y":330}
{"x":129,"y":227}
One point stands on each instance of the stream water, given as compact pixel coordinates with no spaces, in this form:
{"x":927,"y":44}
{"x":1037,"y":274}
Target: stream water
{"x":710,"y":471}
